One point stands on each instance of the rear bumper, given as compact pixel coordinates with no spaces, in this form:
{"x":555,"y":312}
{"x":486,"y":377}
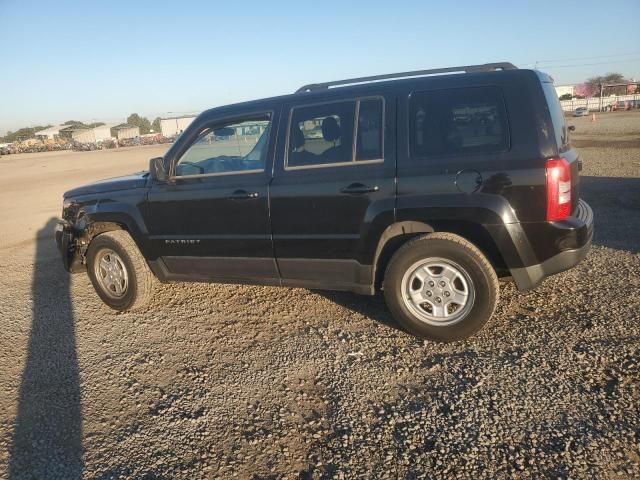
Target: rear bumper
{"x":581,"y":237}
{"x":65,"y":241}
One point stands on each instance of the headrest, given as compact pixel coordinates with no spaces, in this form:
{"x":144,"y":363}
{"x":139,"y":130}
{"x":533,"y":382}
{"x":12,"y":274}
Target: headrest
{"x":330,"y":129}
{"x":297,"y":138}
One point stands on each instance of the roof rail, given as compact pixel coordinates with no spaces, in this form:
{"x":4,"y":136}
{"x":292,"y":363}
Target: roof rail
{"x":486,"y":67}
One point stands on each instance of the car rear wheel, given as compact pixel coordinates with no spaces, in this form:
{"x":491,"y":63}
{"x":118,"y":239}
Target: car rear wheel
{"x":441,"y":287}
{"x":119,"y":272}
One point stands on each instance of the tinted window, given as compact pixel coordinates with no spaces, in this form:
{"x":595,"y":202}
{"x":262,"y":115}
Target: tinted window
{"x":227,"y":148}
{"x":557,"y":115}
{"x":458,"y":121}
{"x":321,"y":134}
{"x":370,"y":121}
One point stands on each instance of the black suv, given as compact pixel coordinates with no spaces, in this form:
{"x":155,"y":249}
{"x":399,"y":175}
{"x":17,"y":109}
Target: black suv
{"x":428,"y":187}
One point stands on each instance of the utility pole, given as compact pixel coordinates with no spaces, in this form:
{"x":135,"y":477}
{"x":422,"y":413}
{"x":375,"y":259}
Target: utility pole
{"x":601,"y":90}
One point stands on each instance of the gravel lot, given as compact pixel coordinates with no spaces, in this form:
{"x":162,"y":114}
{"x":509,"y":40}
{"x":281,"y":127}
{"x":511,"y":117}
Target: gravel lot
{"x":218,"y":381}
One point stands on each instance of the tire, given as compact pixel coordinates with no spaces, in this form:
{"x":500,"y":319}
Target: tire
{"x":447,"y":269}
{"x":129,"y":284}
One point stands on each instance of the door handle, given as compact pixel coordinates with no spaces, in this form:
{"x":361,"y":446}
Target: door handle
{"x":359,"y":188}
{"x":243,"y":195}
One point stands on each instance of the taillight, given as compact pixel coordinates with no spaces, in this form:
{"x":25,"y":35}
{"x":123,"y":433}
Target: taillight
{"x":558,"y":189}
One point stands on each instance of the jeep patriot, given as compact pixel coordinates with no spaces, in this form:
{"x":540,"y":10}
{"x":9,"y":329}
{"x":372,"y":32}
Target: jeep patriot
{"x":428,"y":186}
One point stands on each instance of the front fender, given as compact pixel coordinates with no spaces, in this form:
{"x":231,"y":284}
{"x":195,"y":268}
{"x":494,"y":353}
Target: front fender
{"x":123,"y":210}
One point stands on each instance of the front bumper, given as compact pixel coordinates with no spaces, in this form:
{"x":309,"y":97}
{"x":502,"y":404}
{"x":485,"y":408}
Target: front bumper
{"x":530,"y":277}
{"x":65,"y":240}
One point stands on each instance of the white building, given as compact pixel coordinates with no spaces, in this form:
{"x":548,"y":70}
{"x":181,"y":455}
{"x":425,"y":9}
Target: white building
{"x":50,"y":133}
{"x":565,"y":89}
{"x":86,"y":134}
{"x":124,"y":131}
{"x":175,"y":125}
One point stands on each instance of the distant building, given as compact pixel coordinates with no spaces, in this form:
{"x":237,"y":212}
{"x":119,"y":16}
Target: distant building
{"x":51,"y":133}
{"x":565,"y":89}
{"x":175,"y":125}
{"x":124,"y":131}
{"x":82,"y":134}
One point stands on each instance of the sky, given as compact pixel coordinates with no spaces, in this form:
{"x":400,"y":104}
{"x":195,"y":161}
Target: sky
{"x":100,"y":61}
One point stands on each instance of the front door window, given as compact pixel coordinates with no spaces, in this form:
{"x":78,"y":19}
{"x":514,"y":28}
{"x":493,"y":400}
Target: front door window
{"x":228,"y":148}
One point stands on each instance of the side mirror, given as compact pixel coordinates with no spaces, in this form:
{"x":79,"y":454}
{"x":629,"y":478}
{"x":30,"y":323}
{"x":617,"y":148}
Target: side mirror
{"x":157,"y":171}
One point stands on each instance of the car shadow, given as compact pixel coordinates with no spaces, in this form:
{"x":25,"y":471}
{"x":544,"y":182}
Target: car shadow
{"x":47,"y":434}
{"x":616,"y":209}
{"x":373,"y":307}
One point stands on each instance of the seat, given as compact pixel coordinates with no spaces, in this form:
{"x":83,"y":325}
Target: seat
{"x":298,"y":156}
{"x":331,"y":133}
{"x":297,"y":139}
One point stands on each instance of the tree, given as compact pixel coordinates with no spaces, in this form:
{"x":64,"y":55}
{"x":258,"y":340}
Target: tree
{"x":155,"y":126}
{"x":22,"y":134}
{"x":142,"y":123}
{"x":593,"y":84}
{"x":566,"y":96}
{"x":76,"y":123}
{"x":581,"y":91}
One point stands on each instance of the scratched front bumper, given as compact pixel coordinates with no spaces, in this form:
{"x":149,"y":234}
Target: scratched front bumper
{"x":65,"y":241}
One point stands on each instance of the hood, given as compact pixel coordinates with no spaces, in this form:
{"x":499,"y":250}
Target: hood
{"x":128,"y":182}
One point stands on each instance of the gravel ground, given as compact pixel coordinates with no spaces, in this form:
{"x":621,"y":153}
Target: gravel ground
{"x":218,"y":381}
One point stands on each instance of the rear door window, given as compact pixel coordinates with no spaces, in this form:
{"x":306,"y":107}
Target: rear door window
{"x":370,"y":136}
{"x":327,"y":135}
{"x":321,"y":135}
{"x":457,"y":122}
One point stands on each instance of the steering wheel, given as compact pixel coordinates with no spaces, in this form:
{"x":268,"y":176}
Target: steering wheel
{"x":194,"y":165}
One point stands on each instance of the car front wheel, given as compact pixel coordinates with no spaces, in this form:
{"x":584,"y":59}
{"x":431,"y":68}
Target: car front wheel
{"x":441,"y":287}
{"x":119,"y":272}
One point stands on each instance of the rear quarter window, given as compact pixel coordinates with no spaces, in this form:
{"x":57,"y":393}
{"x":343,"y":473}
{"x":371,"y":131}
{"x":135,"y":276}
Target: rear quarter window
{"x":457,"y":122}
{"x":556,"y":113}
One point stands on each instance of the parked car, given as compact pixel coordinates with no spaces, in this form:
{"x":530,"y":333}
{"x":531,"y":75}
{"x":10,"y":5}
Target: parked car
{"x":5,"y":149}
{"x":427,"y":187}
{"x":581,"y":112}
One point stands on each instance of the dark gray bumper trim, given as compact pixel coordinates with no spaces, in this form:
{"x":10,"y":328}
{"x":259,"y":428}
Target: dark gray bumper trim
{"x":530,"y":277}
{"x":527,"y":278}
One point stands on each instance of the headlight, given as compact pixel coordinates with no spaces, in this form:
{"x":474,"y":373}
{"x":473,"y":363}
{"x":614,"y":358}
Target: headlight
{"x":69,"y":210}
{"x":66,"y":203}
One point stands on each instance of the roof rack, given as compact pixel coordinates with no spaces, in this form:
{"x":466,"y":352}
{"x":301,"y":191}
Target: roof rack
{"x":486,"y":67}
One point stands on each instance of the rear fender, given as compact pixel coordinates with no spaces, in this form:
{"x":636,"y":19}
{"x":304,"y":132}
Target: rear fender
{"x":390,"y":240}
{"x":504,"y":243}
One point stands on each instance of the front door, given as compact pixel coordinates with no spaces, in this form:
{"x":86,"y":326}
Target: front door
{"x":211,"y":220}
{"x":333,"y":190}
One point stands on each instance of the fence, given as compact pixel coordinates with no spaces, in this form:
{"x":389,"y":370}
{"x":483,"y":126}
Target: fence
{"x":593,"y":104}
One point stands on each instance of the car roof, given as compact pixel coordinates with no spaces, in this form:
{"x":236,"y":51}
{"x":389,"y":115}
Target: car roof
{"x":375,"y":87}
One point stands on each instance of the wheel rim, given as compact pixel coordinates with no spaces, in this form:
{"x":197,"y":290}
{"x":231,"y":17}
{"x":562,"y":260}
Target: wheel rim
{"x":437,"y":291}
{"x":111,"y":273}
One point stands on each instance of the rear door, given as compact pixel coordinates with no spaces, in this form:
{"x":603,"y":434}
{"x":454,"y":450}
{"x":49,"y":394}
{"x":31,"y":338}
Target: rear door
{"x":333,"y":189}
